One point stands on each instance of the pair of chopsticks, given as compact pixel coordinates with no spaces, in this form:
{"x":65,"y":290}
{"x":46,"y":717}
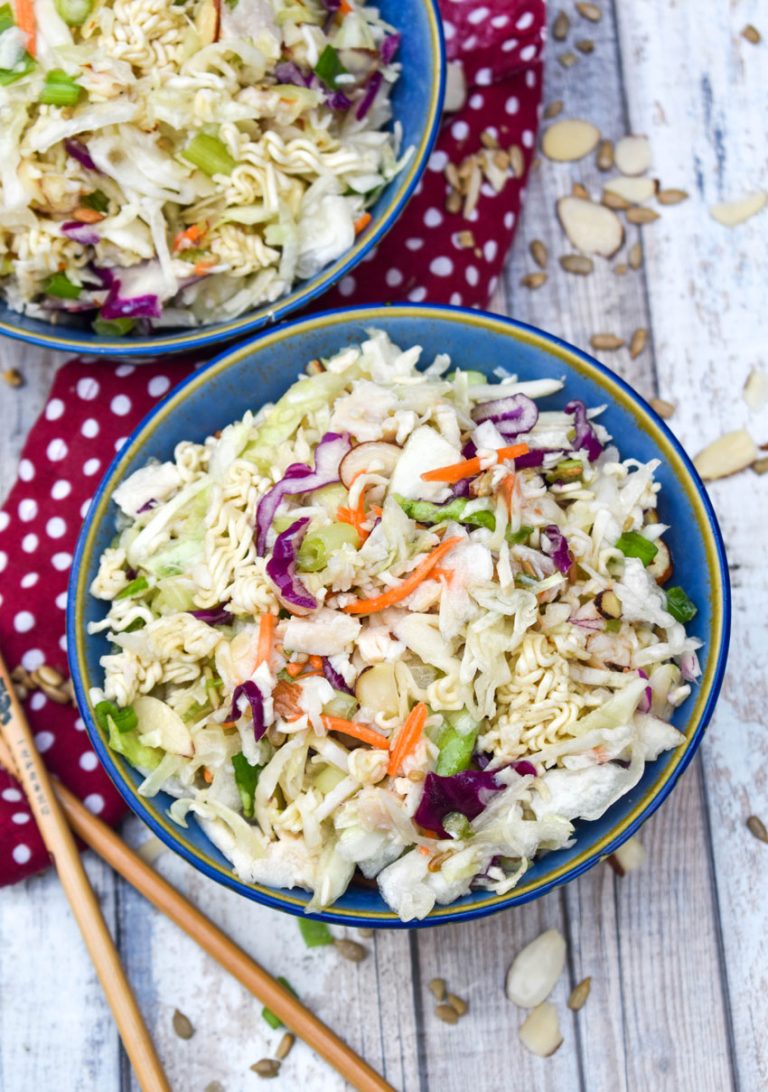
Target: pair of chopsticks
{"x":56,"y":810}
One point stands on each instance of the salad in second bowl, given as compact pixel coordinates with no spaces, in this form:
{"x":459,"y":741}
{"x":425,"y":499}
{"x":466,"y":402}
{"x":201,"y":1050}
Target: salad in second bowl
{"x":403,"y":622}
{"x":171,"y":164}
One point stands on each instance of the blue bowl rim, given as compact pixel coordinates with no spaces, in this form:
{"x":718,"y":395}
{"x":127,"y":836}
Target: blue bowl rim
{"x":262,"y":894}
{"x":72,"y":340}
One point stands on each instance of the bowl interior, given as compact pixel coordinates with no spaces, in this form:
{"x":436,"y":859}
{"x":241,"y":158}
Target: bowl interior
{"x":417,"y":104}
{"x":261,"y":370}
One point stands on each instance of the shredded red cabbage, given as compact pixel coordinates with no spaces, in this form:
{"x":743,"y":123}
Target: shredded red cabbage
{"x":250,"y":691}
{"x":467,"y":792}
{"x":334,"y":677}
{"x":588,"y":617}
{"x":78,"y":151}
{"x":281,"y":567}
{"x":514,"y":414}
{"x":531,"y":458}
{"x":136,"y":307}
{"x":555,"y":545}
{"x":644,"y":705}
{"x":147,"y":506}
{"x":289,"y":72}
{"x":331,"y":5}
{"x":85,"y":234}
{"x":366,"y":102}
{"x":689,"y":666}
{"x":337,"y":100}
{"x":389,"y":47}
{"x":586,"y":437}
{"x":299,"y":479}
{"x":214,"y":616}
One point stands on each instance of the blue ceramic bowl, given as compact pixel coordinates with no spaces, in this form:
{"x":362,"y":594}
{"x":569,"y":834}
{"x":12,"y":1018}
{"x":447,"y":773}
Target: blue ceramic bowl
{"x":267,"y":365}
{"x":417,"y":102}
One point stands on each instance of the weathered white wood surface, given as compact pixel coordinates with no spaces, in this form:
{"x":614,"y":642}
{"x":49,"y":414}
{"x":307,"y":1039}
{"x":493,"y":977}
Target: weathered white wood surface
{"x":676,"y":951}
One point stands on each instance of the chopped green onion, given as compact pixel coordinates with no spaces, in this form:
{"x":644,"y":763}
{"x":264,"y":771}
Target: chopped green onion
{"x":341,"y":705}
{"x":473,"y":378}
{"x":137,"y":623}
{"x":456,"y":742}
{"x":318,"y":546}
{"x":275,"y":1021}
{"x":519,"y":536}
{"x":612,"y":625}
{"x":125,"y":720}
{"x":118,"y":327}
{"x":329,"y":67}
{"x":6,"y":18}
{"x":74,"y":12}
{"x":59,"y":285}
{"x":567,"y":470}
{"x":314,"y":933}
{"x":60,"y":89}
{"x":633,"y":544}
{"x":128,"y":744}
{"x":680,"y":606}
{"x":140,"y":584}
{"x":209,"y":154}
{"x":457,"y":825}
{"x":98,"y":201}
{"x":522,"y":580}
{"x":426,"y":512}
{"x":246,"y":778}
{"x":6,"y":267}
{"x":22,"y":68}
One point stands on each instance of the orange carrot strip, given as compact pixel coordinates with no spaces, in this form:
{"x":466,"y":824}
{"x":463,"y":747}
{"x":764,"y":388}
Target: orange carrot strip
{"x":507,"y":489}
{"x":207,"y":776}
{"x":26,"y":22}
{"x":201,"y":268}
{"x":467,"y":468}
{"x":266,"y":637}
{"x":294,"y":669}
{"x":187,"y":238}
{"x":87,"y":216}
{"x":345,"y":8}
{"x":414,"y":578}
{"x":316,"y":662}
{"x":407,"y":738}
{"x":357,"y":731}
{"x":362,"y":222}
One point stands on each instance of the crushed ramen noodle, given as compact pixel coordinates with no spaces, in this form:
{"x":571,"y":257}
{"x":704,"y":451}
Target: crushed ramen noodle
{"x":403,"y":621}
{"x":173,"y":163}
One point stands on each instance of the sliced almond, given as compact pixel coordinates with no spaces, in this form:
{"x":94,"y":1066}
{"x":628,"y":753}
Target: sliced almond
{"x":535,"y":969}
{"x":579,"y":995}
{"x":729,"y":454}
{"x":641,"y":215}
{"x":577,"y":263}
{"x":552,"y":109}
{"x":628,"y":857}
{"x":590,"y":227}
{"x":752,"y":34}
{"x":632,"y":154}
{"x":569,"y":140}
{"x":638,"y":342}
{"x":755,"y":392}
{"x":540,"y":1031}
{"x":590,"y":11}
{"x":561,"y":26}
{"x":208,"y":21}
{"x":606,"y":341}
{"x":671,"y":197}
{"x":605,"y":155}
{"x":633,"y":190}
{"x":663,"y":408}
{"x":635,"y":256}
{"x":580,"y":191}
{"x":533,"y":280}
{"x":731,"y":213}
{"x":567,"y":59}
{"x":455,"y":87}
{"x":539,"y":253}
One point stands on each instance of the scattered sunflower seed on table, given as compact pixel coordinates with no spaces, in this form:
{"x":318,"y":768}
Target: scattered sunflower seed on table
{"x":756,"y":827}
{"x":182,"y":1025}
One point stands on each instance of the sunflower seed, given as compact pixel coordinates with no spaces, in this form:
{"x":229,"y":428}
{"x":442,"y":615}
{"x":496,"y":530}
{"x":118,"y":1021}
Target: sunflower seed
{"x":727,"y":455}
{"x":13,"y":377}
{"x":437,"y":988}
{"x":452,"y":176}
{"x":516,"y":160}
{"x":447,"y":1013}
{"x":580,"y":191}
{"x":539,"y":253}
{"x":419,"y":775}
{"x":760,"y":466}
{"x":620,"y":269}
{"x":182,"y":1025}
{"x":351,"y":950}
{"x":49,"y":675}
{"x":585,"y":45}
{"x":756,"y":827}
{"x":731,"y":213}
{"x":604,"y":158}
{"x":552,"y":109}
{"x":567,"y":59}
{"x":266,"y":1067}
{"x":488,"y":140}
{"x":285,"y":1046}
{"x":671,"y":197}
{"x":752,"y":34}
{"x":637,"y":342}
{"x":465,"y":239}
{"x":635,"y":256}
{"x":366,"y":934}
{"x":606,"y":341}
{"x":577,"y":263}
{"x":663,"y":408}
{"x":579,"y":994}
{"x":640,"y":215}
{"x":533,"y":280}
{"x":453,"y":202}
{"x":614,"y":201}
{"x":214,"y":1086}
{"x":590,"y":11}
{"x":561,"y":26}
{"x":458,"y":1003}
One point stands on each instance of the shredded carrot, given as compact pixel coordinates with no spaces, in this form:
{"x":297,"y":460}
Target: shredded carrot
{"x":345,"y":8}
{"x":87,"y":216}
{"x":376,"y":510}
{"x":26,"y":22}
{"x":439,"y":571}
{"x":469,"y":467}
{"x":207,"y":776}
{"x":227,"y":724}
{"x":362,"y":222}
{"x":507,"y":489}
{"x":355,"y":517}
{"x":357,"y":731}
{"x":403,"y":589}
{"x":201,"y":268}
{"x":266,"y":637}
{"x":187,"y":238}
{"x":316,"y":662}
{"x":407,"y":738}
{"x":294,"y":670}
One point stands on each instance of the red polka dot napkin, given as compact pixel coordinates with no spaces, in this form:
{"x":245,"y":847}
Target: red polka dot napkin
{"x":94,"y":406}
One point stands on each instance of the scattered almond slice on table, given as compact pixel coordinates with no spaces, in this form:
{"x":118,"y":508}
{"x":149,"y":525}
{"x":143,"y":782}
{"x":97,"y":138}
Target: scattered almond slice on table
{"x":535,"y":969}
{"x":590,"y":227}
{"x":455,"y":87}
{"x":540,"y":1031}
{"x":634,"y":190}
{"x":628,"y":857}
{"x":755,"y":392}
{"x":731,"y":213}
{"x":727,"y":455}
{"x":570,"y":139}
{"x":632,"y":155}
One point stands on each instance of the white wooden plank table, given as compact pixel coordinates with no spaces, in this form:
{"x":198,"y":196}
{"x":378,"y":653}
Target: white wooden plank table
{"x":676,"y":950}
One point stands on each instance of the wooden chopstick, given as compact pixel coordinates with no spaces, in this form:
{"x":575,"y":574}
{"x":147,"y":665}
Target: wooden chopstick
{"x":32,"y":774}
{"x":111,"y":848}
